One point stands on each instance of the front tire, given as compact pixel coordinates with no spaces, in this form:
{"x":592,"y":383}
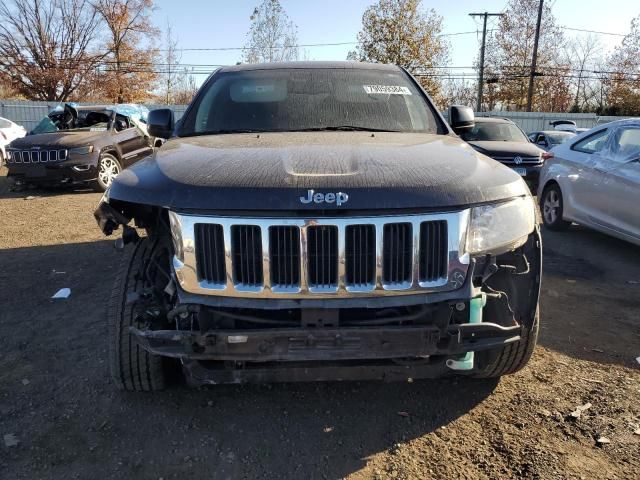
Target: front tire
{"x":108,"y":169}
{"x":512,"y":357}
{"x":552,"y":207}
{"x":132,"y":368}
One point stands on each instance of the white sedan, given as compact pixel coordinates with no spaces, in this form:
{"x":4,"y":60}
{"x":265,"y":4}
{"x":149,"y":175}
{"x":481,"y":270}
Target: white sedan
{"x":594,"y":180}
{"x":9,"y":131}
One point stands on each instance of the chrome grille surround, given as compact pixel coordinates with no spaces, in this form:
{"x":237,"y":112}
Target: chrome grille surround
{"x":456,"y":269}
{"x":526,"y":160}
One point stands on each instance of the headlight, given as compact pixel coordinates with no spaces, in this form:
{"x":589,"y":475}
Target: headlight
{"x":500,"y":227}
{"x":81,"y":150}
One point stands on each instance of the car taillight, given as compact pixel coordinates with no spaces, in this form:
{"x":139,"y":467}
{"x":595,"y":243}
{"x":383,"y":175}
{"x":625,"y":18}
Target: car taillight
{"x":547,"y":155}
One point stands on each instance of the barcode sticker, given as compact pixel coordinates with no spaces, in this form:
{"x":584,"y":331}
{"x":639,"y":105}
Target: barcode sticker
{"x":386,"y":90}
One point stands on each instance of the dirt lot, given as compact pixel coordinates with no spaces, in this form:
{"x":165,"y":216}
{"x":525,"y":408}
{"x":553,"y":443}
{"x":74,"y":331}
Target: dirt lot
{"x":57,"y":403}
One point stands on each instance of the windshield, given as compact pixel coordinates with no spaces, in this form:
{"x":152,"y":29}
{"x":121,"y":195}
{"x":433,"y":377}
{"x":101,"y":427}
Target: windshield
{"x":285,"y":100}
{"x":495,"y":132}
{"x":556,"y":138}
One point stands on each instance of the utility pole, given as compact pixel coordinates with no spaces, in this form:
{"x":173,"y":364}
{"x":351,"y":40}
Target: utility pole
{"x":484,"y":40}
{"x":534,"y":61}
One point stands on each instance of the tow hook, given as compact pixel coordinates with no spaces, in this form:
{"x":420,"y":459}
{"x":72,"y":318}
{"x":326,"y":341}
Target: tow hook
{"x":475,"y":316}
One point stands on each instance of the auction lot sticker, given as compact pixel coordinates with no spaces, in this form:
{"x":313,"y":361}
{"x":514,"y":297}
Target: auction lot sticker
{"x":386,"y":90}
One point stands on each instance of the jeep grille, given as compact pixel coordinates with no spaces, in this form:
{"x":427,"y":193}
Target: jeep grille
{"x":322,"y":257}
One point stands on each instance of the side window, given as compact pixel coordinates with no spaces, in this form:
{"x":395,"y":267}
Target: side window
{"x":626,"y":144}
{"x":541,"y":139}
{"x":593,"y":143}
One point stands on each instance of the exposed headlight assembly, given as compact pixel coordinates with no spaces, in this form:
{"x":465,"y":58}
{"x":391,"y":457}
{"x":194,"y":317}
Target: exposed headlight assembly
{"x":176,"y":235}
{"x":499,"y":228}
{"x":81,"y":150}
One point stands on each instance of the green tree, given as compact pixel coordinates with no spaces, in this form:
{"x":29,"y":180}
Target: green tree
{"x":400,"y":32}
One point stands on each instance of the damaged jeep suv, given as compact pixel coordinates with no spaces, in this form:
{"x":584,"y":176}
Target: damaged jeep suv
{"x":319,"y":221}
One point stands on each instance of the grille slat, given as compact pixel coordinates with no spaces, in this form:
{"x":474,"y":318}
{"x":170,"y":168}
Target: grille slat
{"x":433,"y":251}
{"x":210,"y":253}
{"x":285,"y":256}
{"x":397,"y":253}
{"x":360,"y":255}
{"x":35,"y":156}
{"x":246,"y":244}
{"x":322,"y":249}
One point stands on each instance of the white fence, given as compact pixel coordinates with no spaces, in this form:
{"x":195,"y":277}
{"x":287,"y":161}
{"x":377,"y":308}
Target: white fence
{"x":28,"y":114}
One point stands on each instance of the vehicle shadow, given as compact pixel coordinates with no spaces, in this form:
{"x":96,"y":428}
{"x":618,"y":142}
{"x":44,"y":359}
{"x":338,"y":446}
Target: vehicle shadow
{"x":230,"y":431}
{"x":8,"y":190}
{"x":590,"y":296}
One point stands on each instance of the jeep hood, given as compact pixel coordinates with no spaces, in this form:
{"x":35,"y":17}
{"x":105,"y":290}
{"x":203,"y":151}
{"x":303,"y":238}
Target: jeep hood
{"x":270,"y":172}
{"x":61,"y":139}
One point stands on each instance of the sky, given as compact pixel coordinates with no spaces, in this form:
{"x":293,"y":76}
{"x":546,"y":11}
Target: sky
{"x":224,"y":24}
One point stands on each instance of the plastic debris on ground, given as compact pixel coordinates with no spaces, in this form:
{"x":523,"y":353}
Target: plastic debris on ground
{"x":62,"y":293}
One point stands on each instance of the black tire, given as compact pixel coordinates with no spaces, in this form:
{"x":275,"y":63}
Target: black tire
{"x":511,"y":358}
{"x":132,"y":368}
{"x":552,"y":208}
{"x":103,"y":181}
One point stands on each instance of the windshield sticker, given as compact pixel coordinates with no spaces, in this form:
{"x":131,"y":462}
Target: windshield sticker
{"x":386,"y":90}
{"x":98,"y":129}
{"x":258,"y":89}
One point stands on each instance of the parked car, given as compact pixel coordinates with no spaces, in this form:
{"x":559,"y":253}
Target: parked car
{"x":73,"y":145}
{"x":547,"y":139}
{"x":316,"y":221}
{"x":594,"y":180}
{"x":8,"y":131}
{"x":504,"y":141}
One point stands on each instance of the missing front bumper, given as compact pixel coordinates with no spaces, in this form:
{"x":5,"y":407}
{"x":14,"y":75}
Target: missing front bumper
{"x":332,"y":344}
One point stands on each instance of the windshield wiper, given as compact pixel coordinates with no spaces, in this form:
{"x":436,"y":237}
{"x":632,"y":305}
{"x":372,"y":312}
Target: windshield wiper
{"x":223,"y":131}
{"x":342,"y":128}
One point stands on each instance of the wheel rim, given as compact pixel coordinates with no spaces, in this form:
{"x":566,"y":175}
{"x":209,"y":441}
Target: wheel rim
{"x":551,"y":206}
{"x":109,"y":169}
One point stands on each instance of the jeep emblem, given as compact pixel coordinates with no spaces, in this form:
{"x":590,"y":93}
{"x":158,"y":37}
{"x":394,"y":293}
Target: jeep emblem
{"x":338,"y":198}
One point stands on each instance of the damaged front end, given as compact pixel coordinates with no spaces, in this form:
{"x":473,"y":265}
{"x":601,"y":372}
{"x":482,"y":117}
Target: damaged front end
{"x":235,"y":332}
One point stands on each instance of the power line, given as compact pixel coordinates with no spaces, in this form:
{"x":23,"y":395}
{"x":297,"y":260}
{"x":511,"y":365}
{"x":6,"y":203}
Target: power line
{"x":595,"y":31}
{"x":485,"y":15}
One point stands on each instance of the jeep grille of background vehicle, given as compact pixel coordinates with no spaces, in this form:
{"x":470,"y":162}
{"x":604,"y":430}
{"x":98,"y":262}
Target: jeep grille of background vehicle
{"x":246,"y":244}
{"x":210,"y":253}
{"x":322,"y":248}
{"x":36,"y":156}
{"x":285,"y":256}
{"x":433,"y":250}
{"x":317,"y":256}
{"x":360,"y":255}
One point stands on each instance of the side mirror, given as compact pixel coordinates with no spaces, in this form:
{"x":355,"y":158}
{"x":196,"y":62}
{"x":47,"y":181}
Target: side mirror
{"x":461,"y":117}
{"x":160,"y":123}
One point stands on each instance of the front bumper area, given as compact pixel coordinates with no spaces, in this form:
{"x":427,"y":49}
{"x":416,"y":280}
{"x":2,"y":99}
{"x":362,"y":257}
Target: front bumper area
{"x":65,"y":173}
{"x":313,"y":344}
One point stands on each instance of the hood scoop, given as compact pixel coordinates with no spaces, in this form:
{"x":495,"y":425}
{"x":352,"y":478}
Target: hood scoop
{"x":322,"y":165}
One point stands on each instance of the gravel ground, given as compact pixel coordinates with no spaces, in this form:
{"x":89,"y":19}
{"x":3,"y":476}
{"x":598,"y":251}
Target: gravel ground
{"x":61,"y":419}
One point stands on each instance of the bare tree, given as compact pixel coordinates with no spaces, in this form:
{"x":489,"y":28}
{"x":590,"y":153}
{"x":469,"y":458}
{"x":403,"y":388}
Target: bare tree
{"x":131,"y":72}
{"x":171,"y":66}
{"x":623,"y":77}
{"x":459,"y":91}
{"x":47,"y":47}
{"x":185,"y":89}
{"x":272,"y":36}
{"x":582,"y":54}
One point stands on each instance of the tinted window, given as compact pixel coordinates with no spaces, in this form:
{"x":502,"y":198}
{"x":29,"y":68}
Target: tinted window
{"x":278,"y":100}
{"x":626,"y":144}
{"x":495,"y":132}
{"x":556,"y":138}
{"x":593,"y":143}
